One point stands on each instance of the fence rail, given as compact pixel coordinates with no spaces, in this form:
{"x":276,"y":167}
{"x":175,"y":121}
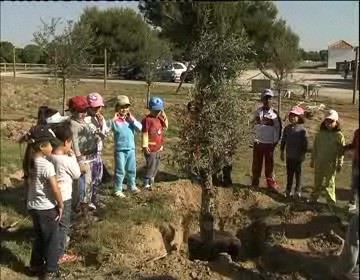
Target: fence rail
{"x":8,"y":67}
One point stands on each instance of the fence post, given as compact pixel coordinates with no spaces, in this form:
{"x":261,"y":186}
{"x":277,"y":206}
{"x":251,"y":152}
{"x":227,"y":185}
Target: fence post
{"x":14,"y":62}
{"x":5,"y":67}
{"x":24,"y":66}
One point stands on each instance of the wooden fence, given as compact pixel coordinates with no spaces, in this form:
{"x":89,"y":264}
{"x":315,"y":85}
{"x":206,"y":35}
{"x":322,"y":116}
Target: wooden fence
{"x":8,"y":67}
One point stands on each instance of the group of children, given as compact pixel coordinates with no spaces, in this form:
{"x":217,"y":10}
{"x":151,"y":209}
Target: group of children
{"x":63,"y":167}
{"x":327,"y":153}
{"x":66,"y":151}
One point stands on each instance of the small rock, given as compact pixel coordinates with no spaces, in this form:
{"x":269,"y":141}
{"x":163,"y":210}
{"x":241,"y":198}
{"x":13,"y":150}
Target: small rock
{"x":193,"y":275}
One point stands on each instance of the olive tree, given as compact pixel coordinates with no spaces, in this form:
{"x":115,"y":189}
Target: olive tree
{"x":212,"y":135}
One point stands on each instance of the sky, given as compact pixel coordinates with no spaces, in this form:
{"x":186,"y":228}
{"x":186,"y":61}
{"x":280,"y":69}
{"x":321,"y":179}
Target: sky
{"x":318,"y":23}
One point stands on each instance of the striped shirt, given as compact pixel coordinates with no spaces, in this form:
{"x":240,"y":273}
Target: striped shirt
{"x":40,"y":195}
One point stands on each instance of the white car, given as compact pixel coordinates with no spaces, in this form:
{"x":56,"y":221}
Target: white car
{"x":172,"y":72}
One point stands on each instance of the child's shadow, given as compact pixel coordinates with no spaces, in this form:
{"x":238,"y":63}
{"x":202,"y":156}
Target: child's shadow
{"x":7,"y":257}
{"x":161,"y":176}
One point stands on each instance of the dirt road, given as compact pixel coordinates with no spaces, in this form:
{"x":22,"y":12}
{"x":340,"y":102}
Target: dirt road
{"x":332,"y":85}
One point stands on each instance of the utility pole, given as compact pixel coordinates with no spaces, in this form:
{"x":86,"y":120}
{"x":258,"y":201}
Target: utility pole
{"x":105,"y":68}
{"x":14,"y":62}
{"x":356,"y":76}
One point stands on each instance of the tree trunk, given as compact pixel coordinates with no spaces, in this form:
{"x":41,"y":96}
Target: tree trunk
{"x":184,"y":77}
{"x":105,"y":69}
{"x":207,"y":208}
{"x":148,"y":94}
{"x":278,"y":87}
{"x":64,"y":93}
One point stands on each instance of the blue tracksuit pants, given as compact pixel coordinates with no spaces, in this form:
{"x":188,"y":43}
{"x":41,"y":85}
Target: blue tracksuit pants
{"x":125,"y":164}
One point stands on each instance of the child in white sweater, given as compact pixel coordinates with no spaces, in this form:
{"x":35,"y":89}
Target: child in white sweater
{"x":67,"y":169}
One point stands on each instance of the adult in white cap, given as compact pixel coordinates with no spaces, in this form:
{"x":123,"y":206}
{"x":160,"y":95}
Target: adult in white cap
{"x":267,"y":134}
{"x":50,"y":116}
{"x":327,"y":157}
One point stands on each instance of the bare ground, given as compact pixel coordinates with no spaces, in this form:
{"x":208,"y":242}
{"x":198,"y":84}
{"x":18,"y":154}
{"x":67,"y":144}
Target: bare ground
{"x":281,"y":239}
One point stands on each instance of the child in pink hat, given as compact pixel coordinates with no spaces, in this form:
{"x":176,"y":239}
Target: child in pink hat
{"x":295,"y":143}
{"x":97,"y":123}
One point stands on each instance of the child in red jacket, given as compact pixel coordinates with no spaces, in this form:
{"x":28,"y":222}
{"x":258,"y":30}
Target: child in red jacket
{"x":153,"y":126}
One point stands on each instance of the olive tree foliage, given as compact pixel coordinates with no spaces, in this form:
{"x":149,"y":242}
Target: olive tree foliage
{"x":181,"y":23}
{"x":210,"y":136}
{"x":273,"y":45}
{"x":65,"y":51}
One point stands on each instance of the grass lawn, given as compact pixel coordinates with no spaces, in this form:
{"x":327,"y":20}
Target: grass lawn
{"x":125,"y":230}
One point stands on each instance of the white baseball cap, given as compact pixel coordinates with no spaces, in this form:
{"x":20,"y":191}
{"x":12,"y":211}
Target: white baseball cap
{"x":332,"y":115}
{"x":56,"y":118}
{"x":267,"y":92}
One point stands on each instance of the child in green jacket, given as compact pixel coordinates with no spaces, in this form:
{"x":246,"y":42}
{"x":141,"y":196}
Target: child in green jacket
{"x":327,"y":157}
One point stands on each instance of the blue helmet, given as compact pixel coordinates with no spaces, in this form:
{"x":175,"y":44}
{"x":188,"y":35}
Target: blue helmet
{"x":156,"y":103}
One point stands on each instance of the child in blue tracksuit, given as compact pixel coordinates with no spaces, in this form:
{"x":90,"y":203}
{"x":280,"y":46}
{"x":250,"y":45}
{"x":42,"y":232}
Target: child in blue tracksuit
{"x":123,"y":126}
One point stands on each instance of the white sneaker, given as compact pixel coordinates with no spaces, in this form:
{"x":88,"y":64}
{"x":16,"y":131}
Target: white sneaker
{"x":147,"y":187}
{"x":120,"y":194}
{"x":92,"y":206}
{"x":352,"y":207}
{"x":135,"y":190}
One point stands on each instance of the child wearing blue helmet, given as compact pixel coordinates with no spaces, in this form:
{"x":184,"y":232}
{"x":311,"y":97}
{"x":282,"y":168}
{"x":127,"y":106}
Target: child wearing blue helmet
{"x":153,"y":126}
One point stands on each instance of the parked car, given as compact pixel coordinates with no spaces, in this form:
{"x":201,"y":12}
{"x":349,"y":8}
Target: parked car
{"x":172,"y":72}
{"x":134,"y":72}
{"x":137,"y":72}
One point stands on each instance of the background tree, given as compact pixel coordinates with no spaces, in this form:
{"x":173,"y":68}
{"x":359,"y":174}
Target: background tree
{"x":152,"y":54}
{"x":32,"y":54}
{"x":6,"y":51}
{"x":119,"y":30}
{"x":19,"y":52}
{"x":323,"y":55}
{"x":65,"y":51}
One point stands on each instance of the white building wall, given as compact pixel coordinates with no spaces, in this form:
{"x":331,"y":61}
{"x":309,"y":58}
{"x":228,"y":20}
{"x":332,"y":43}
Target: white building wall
{"x":339,"y":55}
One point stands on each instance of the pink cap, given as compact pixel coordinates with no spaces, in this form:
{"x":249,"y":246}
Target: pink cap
{"x":95,"y":100}
{"x":296,"y":110}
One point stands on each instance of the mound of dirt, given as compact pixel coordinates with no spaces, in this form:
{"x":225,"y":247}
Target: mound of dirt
{"x":148,"y":242}
{"x":187,"y":196}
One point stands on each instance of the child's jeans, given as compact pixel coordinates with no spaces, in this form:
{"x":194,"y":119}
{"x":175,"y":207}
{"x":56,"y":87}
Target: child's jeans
{"x":85,"y":186}
{"x":125,"y":164}
{"x":152,"y":167}
{"x":355,"y":183}
{"x":293,"y":167}
{"x":64,"y":227}
{"x":96,"y":176}
{"x":86,"y":180}
{"x":44,"y":253}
